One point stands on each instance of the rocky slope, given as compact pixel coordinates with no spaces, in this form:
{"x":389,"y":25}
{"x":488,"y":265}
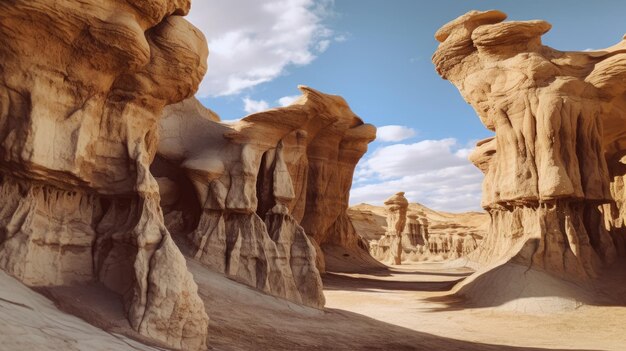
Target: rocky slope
{"x":428,"y":235}
{"x":553,"y":171}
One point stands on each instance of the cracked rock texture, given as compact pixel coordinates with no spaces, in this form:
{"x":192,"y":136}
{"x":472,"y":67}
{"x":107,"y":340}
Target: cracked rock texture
{"x":260,"y":199}
{"x":553,"y":171}
{"x":82,"y":87}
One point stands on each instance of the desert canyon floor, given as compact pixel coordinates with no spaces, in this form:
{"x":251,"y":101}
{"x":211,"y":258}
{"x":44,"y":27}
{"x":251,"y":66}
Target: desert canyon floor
{"x":398,"y":308}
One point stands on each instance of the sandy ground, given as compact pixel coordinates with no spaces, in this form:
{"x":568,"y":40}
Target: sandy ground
{"x":393,"y":300}
{"x":378,"y":310}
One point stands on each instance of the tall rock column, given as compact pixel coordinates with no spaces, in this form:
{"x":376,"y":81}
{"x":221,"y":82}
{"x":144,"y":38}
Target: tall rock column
{"x":396,"y":207}
{"x":546,"y":174}
{"x":78,"y":131}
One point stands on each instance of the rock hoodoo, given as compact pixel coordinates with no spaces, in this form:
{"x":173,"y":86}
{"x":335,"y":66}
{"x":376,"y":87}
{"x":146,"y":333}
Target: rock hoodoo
{"x":553,"y":171}
{"x":82,"y":87}
{"x":407,"y":236}
{"x":396,"y":206}
{"x":267,"y":193}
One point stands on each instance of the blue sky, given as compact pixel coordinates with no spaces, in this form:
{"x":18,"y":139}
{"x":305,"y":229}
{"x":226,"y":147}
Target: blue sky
{"x":376,"y":54}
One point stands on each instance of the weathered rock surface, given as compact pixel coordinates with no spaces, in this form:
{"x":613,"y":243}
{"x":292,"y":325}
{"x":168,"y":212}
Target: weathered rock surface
{"x":427,"y":236}
{"x":32,"y":322}
{"x":82,"y":87}
{"x":391,"y":244}
{"x":267,"y":192}
{"x":552,"y":172}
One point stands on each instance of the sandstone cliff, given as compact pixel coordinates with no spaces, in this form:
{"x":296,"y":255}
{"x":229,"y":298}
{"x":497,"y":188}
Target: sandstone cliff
{"x":258,"y":198}
{"x":553,"y":172}
{"x":82,"y":87}
{"x":89,"y":94}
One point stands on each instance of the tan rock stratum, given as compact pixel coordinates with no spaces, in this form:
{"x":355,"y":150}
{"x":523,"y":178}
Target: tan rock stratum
{"x":428,"y":235}
{"x":82,"y":87}
{"x":261,"y":198}
{"x":553,"y":171}
{"x":90,"y":93}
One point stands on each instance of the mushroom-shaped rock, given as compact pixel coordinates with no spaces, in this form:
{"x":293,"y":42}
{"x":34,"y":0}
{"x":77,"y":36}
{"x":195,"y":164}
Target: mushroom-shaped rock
{"x":396,"y":206}
{"x":558,"y":119}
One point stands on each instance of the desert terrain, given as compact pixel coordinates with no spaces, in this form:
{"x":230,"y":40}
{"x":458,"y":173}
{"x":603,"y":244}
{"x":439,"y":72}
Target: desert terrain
{"x":133,"y":218}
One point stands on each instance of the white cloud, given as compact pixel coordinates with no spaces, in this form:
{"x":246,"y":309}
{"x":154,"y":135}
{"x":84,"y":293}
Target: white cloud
{"x":323,"y":45}
{"x":287,"y":100}
{"x":252,"y":42}
{"x":254,"y":106}
{"x":394,"y":133}
{"x":341,"y":38}
{"x":435,"y":173}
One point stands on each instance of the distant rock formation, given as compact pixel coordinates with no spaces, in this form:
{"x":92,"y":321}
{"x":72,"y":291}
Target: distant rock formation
{"x":259,"y":199}
{"x":396,"y":207}
{"x":553,"y":171}
{"x":416,"y":231}
{"x":81,"y":92}
{"x":413,"y":241}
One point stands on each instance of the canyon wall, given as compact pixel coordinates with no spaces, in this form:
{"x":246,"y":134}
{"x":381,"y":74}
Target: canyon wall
{"x":553,"y":172}
{"x":82,"y":87}
{"x":259,"y":199}
{"x":94,"y":102}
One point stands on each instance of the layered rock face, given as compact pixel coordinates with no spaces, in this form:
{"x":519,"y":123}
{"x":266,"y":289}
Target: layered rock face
{"x":558,"y":117}
{"x":407,"y":237}
{"x":391,"y":244}
{"x":267,"y":192}
{"x":82,"y":87}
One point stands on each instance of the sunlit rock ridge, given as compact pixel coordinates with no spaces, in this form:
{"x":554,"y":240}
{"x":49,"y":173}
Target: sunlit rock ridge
{"x":553,"y":172}
{"x":90,"y":93}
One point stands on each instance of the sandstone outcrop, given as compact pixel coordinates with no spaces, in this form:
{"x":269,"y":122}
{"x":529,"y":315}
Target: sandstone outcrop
{"x":553,"y":172}
{"x":396,"y":207}
{"x":427,"y":235}
{"x":82,"y":87}
{"x":259,"y":198}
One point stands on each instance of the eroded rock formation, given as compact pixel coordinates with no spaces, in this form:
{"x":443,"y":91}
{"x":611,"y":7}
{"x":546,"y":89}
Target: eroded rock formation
{"x":415,"y":241}
{"x":391,"y":244}
{"x":268,"y":191}
{"x":82,"y":87}
{"x":552,"y":172}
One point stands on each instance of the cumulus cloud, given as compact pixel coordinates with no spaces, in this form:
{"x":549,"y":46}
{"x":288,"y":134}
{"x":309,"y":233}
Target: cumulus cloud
{"x":323,"y":45}
{"x":256,"y":40}
{"x":435,"y":173}
{"x":287,"y":100}
{"x":394,"y":133}
{"x":253,"y":106}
